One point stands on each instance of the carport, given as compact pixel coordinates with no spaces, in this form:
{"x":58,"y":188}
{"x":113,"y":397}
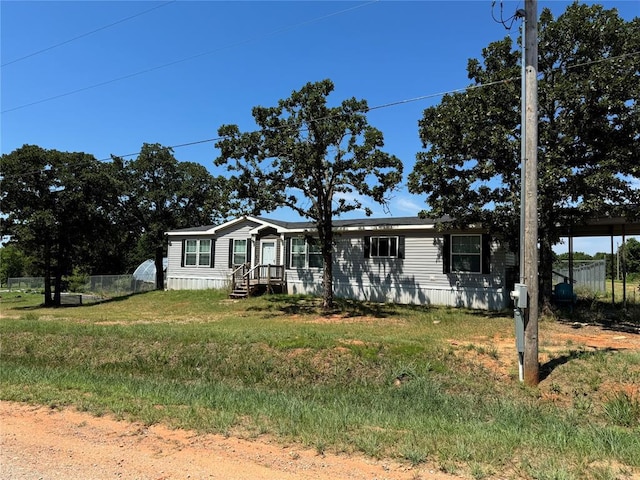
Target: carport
{"x":605,"y":227}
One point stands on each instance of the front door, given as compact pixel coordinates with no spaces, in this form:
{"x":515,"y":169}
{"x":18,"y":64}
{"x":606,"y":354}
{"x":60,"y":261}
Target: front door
{"x":268,"y":253}
{"x":268,"y":257}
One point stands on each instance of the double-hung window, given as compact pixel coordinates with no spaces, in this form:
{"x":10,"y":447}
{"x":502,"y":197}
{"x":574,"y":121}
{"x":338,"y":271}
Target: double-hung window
{"x":298,"y":252}
{"x":466,"y":253}
{"x":197,"y":253}
{"x":314,"y":254}
{"x":239,"y":252}
{"x":305,"y":253}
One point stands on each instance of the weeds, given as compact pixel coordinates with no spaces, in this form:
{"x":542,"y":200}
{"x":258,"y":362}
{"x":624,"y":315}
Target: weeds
{"x":623,"y":410}
{"x":382,"y":380}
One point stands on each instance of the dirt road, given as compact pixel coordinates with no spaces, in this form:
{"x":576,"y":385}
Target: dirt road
{"x":49,"y":444}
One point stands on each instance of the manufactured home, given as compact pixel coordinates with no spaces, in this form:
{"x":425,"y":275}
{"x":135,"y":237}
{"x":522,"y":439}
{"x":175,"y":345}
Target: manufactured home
{"x":400,"y":260}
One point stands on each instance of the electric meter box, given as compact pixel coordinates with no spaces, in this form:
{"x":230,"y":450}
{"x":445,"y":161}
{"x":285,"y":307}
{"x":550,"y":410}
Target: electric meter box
{"x":519,"y":295}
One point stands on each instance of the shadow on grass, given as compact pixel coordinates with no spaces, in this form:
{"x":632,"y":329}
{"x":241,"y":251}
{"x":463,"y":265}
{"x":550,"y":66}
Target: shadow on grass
{"x":547,"y":368}
{"x":310,"y":305}
{"x":616,"y":318}
{"x":492,"y":313}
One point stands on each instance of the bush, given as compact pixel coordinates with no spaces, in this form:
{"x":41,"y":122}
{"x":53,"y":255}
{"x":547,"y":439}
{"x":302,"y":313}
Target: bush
{"x":77,"y":281}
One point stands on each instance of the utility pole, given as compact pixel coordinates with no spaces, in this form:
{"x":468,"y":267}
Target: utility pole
{"x":530,"y":257}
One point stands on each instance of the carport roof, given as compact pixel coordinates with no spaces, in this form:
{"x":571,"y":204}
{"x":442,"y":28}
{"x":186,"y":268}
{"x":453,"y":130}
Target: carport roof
{"x":604,"y":227}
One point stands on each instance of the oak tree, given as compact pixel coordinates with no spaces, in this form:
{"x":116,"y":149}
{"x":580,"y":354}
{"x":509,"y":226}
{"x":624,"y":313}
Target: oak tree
{"x":589,"y":132}
{"x":56,"y":206}
{"x":312,"y":158}
{"x":158,"y":193}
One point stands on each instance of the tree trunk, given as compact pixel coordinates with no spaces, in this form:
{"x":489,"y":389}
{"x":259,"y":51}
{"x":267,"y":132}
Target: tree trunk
{"x":60,"y":254}
{"x":57,"y":296}
{"x":159,"y":268}
{"x":327,"y":274}
{"x":48,"y":301}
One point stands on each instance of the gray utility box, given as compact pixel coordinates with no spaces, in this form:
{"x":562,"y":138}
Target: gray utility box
{"x":519,"y":295}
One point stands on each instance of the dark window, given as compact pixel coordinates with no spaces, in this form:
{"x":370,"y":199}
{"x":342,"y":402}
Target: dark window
{"x":385,"y":247}
{"x":466,"y":253}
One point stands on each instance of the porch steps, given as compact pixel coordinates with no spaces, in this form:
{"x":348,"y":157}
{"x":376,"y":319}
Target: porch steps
{"x":248,"y":281}
{"x":239,"y":292}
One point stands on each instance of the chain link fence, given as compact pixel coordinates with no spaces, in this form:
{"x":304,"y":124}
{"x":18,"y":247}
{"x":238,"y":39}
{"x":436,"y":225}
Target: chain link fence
{"x":26,"y":283}
{"x":99,"y":286}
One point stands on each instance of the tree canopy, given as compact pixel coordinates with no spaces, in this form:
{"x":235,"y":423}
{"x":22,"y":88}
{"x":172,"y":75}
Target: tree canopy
{"x":589,"y":131}
{"x":12,"y":263}
{"x":56,"y":209}
{"x":631,"y":251}
{"x":315,"y":159}
{"x":68,"y":211}
{"x":157,"y":193}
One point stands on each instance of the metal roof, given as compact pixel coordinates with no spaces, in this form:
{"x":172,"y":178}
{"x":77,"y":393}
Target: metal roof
{"x":603,"y":227}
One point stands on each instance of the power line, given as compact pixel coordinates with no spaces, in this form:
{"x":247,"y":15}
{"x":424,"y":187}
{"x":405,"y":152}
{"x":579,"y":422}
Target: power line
{"x":192,"y":57}
{"x":329,"y":117}
{"x":502,"y":21}
{"x":188,"y":144}
{"x":441,"y":94}
{"x":377,"y":107}
{"x":86,"y":34}
{"x":601,"y":60}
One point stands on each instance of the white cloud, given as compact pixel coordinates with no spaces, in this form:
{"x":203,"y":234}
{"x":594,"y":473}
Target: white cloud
{"x":406,"y":206}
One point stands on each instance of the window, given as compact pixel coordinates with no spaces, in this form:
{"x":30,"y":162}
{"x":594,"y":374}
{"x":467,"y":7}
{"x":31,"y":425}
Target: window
{"x":305,"y":253}
{"x":239,"y":252}
{"x":197,"y":253}
{"x":298,"y":252}
{"x":466,"y":253}
{"x":315,"y":254}
{"x":384,"y":247}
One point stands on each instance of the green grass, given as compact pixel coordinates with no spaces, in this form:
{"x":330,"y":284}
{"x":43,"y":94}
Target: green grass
{"x":385,"y":380}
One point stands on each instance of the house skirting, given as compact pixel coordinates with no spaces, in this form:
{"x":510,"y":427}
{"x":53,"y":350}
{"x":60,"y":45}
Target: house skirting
{"x":483,"y":298}
{"x":195,"y":283}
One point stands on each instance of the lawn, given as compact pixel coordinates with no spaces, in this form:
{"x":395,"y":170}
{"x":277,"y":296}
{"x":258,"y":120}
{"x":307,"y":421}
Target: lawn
{"x":417,"y":384}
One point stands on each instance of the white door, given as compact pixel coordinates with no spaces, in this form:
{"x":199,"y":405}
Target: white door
{"x":268,"y":257}
{"x":268,"y":253}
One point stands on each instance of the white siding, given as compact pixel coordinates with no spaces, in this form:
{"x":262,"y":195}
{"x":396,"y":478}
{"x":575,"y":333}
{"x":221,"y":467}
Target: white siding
{"x":197,"y":278}
{"x":191,"y":283}
{"x":418,"y":278}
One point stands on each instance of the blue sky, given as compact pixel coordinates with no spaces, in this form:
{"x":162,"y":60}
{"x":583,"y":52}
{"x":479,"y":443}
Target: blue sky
{"x":105,"y":77}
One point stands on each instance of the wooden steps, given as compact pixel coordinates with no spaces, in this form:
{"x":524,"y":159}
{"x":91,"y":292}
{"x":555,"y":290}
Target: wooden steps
{"x":240,"y":291}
